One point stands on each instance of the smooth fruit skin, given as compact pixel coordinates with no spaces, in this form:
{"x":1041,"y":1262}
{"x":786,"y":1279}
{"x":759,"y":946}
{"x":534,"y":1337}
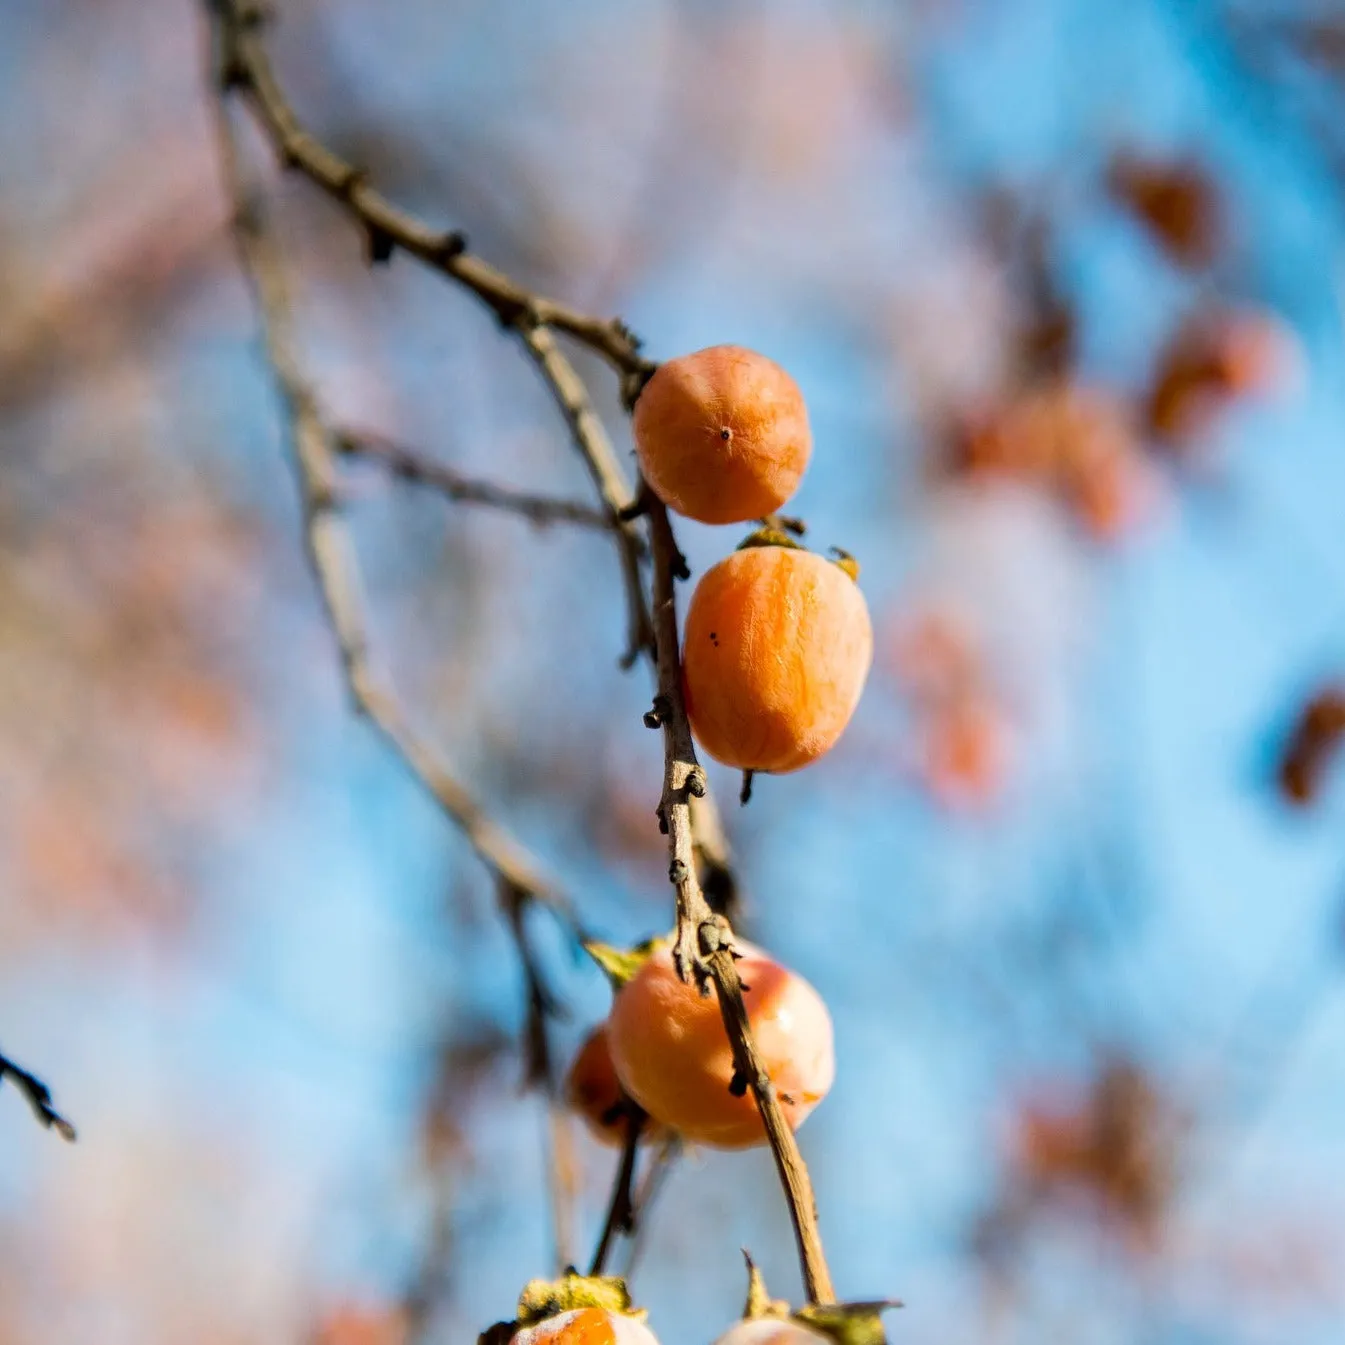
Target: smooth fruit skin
{"x":593,"y":1091}
{"x":722,"y":435}
{"x":778,"y":646}
{"x":587,"y":1326}
{"x":772,"y":1331}
{"x":673,"y":1056}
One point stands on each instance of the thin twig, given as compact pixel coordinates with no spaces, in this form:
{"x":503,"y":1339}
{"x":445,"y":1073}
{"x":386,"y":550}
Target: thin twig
{"x":39,"y":1098}
{"x":703,"y":950}
{"x":621,"y":1207}
{"x":418,"y":469}
{"x":591,"y":439}
{"x":656,"y":1175}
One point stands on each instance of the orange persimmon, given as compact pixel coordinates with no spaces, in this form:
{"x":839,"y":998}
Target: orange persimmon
{"x":593,"y":1092}
{"x":673,"y":1056}
{"x":722,"y":435}
{"x":778,"y":646}
{"x":587,"y":1326}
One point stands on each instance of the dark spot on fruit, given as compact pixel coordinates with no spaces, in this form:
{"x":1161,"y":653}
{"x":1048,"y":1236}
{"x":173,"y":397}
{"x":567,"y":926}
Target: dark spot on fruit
{"x":726,"y":433}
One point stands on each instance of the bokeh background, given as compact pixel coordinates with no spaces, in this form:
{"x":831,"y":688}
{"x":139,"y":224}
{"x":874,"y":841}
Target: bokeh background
{"x":1062,"y":283}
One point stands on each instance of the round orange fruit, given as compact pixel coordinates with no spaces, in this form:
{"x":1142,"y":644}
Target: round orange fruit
{"x":722,"y":435}
{"x":777,"y":648}
{"x":673,"y":1056}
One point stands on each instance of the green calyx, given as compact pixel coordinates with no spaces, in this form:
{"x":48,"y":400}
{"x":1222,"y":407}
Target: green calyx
{"x":770,"y":537}
{"x":845,"y":1323}
{"x":542,"y":1299}
{"x":841,"y":558}
{"x":848,"y":1323}
{"x":621,"y":964}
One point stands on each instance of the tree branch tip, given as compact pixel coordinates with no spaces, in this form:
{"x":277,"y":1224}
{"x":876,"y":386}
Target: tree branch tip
{"x":695,"y":786}
{"x":745,"y":793}
{"x":653,"y":719}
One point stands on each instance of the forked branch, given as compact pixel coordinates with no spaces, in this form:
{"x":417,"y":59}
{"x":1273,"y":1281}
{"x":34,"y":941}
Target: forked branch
{"x":38,"y":1096}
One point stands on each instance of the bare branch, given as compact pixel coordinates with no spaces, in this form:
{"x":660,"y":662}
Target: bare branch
{"x":703,"y":951}
{"x":39,"y":1098}
{"x":418,"y":469}
{"x":387,"y":227}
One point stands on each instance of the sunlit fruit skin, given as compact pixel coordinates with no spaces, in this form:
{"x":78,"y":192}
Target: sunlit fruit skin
{"x":593,"y":1091}
{"x":587,"y":1326}
{"x":722,"y":435}
{"x":772,"y":1331}
{"x":673,"y":1056}
{"x":778,"y":646}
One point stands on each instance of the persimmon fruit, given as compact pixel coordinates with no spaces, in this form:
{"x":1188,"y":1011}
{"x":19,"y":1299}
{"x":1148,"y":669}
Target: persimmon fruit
{"x":722,"y":435}
{"x":673,"y":1057}
{"x":587,"y":1326}
{"x":777,"y":649}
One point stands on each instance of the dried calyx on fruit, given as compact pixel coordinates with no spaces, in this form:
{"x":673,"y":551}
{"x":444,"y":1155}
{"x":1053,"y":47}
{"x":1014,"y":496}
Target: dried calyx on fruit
{"x":777,"y":649}
{"x":674,"y":1059}
{"x":574,"y":1310}
{"x":722,"y":435}
{"x":767,"y":1321}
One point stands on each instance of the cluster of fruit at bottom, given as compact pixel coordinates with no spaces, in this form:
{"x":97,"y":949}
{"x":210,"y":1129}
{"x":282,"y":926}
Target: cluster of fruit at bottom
{"x":597,"y":1310}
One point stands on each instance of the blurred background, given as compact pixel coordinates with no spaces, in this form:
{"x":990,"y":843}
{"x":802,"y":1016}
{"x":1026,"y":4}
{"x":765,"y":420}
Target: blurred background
{"x":1062,"y":283}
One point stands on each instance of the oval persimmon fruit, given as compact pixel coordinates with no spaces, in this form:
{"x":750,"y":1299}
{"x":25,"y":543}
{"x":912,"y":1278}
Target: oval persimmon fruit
{"x":722,"y":435}
{"x":673,"y":1057}
{"x":777,"y":649}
